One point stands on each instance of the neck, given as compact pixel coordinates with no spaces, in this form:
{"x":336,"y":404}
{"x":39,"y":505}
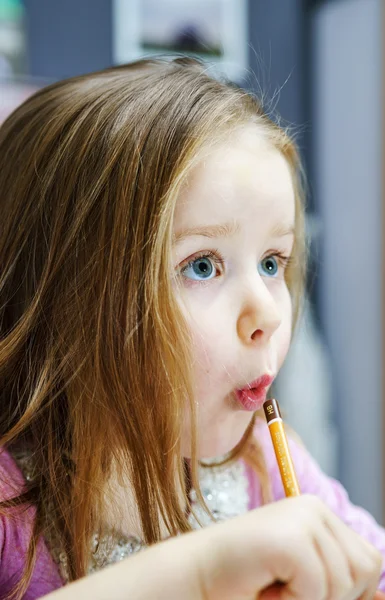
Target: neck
{"x":122,"y":512}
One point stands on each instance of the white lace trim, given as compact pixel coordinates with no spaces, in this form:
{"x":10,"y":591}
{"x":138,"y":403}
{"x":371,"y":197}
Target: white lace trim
{"x":224,"y":489}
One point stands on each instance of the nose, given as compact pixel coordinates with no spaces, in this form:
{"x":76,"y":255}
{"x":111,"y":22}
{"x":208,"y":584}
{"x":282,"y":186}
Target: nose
{"x":259,"y":316}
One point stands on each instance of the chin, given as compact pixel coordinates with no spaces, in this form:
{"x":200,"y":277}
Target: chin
{"x":222,"y":439}
{"x":216,"y":450}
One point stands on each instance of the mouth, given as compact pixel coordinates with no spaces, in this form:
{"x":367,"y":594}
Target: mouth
{"x":252,"y":396}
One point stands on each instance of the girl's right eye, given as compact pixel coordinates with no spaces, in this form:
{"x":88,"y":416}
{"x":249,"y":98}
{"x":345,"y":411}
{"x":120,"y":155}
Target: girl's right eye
{"x":202,"y":268}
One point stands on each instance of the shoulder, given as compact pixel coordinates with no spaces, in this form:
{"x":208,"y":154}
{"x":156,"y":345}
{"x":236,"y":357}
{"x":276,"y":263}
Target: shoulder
{"x":16,"y":525}
{"x":12,"y":481}
{"x":312,"y":480}
{"x":310,"y":477}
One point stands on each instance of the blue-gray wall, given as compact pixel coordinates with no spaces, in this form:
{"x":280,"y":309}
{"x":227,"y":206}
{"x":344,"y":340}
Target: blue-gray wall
{"x":68,"y":37}
{"x":348,"y":151}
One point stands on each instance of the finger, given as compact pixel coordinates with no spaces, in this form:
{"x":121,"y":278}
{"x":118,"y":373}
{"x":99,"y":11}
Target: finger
{"x":372,"y":595}
{"x":335,"y":559}
{"x":352,"y":564}
{"x":304,"y":575}
{"x":365,"y":562}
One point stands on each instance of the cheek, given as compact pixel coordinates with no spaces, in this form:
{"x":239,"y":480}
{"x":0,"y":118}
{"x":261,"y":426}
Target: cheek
{"x":283,"y":333}
{"x":208,"y":342}
{"x":207,"y":325}
{"x":211,"y":351}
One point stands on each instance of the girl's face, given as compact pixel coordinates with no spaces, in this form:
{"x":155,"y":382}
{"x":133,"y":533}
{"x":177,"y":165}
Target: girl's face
{"x":233,"y":237}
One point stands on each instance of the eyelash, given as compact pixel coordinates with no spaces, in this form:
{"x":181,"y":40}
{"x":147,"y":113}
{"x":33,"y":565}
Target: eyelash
{"x":217,"y":258}
{"x":213,"y":255}
{"x":283,"y":259}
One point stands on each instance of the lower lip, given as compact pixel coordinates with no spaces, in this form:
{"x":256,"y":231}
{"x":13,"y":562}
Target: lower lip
{"x":252,"y":399}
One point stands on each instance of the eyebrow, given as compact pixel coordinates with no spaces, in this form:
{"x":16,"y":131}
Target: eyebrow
{"x":227,"y":230}
{"x":213,"y":231}
{"x":283,"y":230}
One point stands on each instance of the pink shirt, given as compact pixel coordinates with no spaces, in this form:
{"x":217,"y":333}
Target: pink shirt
{"x":14,"y":534}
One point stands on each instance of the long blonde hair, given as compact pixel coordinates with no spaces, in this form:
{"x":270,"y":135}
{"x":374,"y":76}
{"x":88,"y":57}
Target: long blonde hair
{"x":93,"y":353}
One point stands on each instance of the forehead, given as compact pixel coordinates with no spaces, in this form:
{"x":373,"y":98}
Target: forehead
{"x":244,"y":176}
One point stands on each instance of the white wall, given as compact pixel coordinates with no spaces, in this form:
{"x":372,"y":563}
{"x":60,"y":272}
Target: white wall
{"x":348,"y":130}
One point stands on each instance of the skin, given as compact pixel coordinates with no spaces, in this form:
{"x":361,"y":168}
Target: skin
{"x":232,"y":238}
{"x":298,"y":542}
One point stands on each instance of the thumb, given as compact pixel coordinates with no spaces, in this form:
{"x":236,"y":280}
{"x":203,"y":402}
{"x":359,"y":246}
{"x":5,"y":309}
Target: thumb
{"x":379,"y":596}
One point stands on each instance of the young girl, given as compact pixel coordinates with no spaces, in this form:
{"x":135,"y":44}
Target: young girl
{"x":151,"y":264}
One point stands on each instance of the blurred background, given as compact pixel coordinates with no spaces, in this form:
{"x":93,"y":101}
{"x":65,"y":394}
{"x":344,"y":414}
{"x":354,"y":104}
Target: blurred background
{"x":321,"y":64}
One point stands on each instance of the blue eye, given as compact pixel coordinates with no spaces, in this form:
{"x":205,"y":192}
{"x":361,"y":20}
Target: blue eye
{"x":199,"y":269}
{"x":268,"y":266}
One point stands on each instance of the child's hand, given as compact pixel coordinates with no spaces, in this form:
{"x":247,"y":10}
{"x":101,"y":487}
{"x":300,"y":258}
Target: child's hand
{"x":275,"y":593}
{"x":298,"y":542}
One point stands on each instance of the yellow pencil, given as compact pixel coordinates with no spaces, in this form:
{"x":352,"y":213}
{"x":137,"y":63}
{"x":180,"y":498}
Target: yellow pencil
{"x":281,"y":448}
